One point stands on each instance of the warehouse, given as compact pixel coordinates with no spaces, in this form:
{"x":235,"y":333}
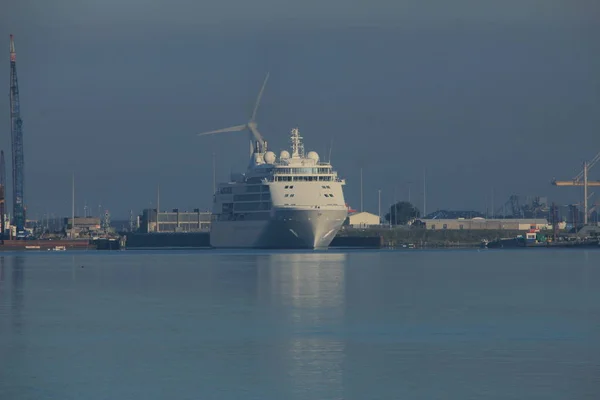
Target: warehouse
{"x":175,"y":221}
{"x":482,"y":223}
{"x":362,"y":220}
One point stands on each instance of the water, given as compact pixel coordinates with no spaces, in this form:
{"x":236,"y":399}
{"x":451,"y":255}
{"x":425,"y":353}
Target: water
{"x":327,"y":325}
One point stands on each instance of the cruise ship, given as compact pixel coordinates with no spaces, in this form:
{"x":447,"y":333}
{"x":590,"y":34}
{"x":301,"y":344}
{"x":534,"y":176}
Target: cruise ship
{"x":287,"y":202}
{"x":290,"y":201}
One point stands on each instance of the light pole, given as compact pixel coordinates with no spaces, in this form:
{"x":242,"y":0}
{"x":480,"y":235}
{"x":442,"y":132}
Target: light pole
{"x":379,"y":203}
{"x":361,"y":190}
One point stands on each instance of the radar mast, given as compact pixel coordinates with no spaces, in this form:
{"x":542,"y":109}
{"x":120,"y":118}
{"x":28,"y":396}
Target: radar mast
{"x":297,"y":145}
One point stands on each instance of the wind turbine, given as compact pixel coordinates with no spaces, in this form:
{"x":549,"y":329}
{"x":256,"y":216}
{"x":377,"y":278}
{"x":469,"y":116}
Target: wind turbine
{"x":257,"y":142}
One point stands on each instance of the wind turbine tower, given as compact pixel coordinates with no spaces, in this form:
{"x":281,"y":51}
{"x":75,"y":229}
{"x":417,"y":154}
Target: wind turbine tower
{"x":16,"y":130}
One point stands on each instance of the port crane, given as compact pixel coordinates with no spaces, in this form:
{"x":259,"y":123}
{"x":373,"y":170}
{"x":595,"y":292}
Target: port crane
{"x":16,"y":129}
{"x":2,"y":194}
{"x":582,"y":180}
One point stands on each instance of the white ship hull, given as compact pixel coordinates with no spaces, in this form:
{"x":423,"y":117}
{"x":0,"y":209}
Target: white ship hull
{"x":286,"y":229}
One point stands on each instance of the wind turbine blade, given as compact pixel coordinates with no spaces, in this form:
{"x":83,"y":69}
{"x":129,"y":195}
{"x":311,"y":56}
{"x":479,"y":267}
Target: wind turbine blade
{"x":262,"y":89}
{"x":253,"y":128}
{"x":231,"y":129}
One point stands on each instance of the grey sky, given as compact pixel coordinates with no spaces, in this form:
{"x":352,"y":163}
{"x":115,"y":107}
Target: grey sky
{"x":480,"y":93}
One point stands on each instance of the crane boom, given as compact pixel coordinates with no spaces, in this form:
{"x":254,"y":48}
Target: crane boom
{"x":574,"y":183}
{"x":582,"y":180}
{"x":589,"y":166}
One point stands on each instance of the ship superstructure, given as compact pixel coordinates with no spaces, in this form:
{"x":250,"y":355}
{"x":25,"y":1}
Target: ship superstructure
{"x":293,"y":200}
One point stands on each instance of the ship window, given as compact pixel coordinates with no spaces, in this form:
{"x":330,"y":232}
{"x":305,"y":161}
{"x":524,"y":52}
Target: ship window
{"x":461,"y":226}
{"x":445,"y":226}
{"x":253,"y":206}
{"x":287,"y":187}
{"x":292,"y":195}
{"x":331,"y":195}
{"x":247,"y":197}
{"x":291,"y":187}
{"x":304,"y":170}
{"x":287,"y":195}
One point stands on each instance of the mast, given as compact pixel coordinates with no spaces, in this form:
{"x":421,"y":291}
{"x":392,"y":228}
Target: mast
{"x":297,"y":146}
{"x":379,"y":204}
{"x":585,"y":193}
{"x":424,"y":194}
{"x":157,"y":206}
{"x":73,"y":206}
{"x":214,"y":171}
{"x":361,"y":191}
{"x":2,"y":194}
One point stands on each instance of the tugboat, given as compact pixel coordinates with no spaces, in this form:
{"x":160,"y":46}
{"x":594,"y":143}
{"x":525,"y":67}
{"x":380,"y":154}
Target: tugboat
{"x":536,"y":239}
{"x":531,"y":239}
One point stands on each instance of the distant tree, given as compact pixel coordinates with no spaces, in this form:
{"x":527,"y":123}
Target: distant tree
{"x":402,"y":212}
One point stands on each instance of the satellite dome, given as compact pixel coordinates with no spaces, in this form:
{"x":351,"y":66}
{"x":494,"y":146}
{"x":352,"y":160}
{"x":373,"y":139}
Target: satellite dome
{"x":269,"y":157}
{"x":313,"y":156}
{"x":284,"y":155}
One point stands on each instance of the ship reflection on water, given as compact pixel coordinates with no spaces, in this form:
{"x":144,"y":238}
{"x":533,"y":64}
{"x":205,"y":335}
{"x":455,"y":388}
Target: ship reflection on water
{"x":311,"y":290}
{"x":299,"y":325}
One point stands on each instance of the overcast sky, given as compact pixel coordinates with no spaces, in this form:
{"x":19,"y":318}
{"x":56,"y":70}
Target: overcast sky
{"x":485,"y":96}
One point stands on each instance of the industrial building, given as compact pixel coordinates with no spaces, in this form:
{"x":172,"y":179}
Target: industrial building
{"x":491,"y":224}
{"x":174,"y":221}
{"x":84,"y":226}
{"x":362,"y":220}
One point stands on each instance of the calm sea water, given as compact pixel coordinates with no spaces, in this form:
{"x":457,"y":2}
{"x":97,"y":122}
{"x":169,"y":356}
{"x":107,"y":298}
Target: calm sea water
{"x":287,"y":325}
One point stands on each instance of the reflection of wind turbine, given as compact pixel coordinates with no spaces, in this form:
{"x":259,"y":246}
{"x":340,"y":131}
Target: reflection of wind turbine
{"x":257,"y":142}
